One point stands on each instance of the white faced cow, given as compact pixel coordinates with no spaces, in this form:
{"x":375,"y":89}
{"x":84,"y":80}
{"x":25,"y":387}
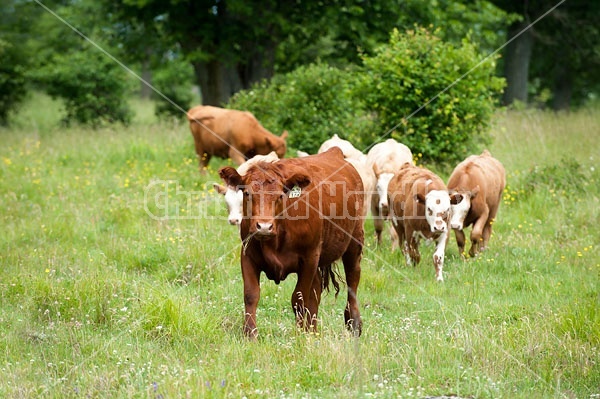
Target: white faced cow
{"x":385,"y":159}
{"x":477,"y":184}
{"x":235,"y":197}
{"x":420,"y":209}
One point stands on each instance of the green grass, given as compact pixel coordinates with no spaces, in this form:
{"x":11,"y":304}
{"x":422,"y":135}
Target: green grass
{"x":99,"y":299}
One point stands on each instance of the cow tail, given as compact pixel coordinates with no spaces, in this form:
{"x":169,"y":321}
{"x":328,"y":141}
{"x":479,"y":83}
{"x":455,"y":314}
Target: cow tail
{"x":330,"y":275}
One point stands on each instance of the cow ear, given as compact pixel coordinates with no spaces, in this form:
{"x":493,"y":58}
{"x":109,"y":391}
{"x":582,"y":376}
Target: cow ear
{"x":455,"y":198}
{"x":298,"y":179}
{"x":474,"y":192}
{"x":284,"y":135}
{"x":219,"y":188}
{"x":420,"y":198}
{"x":230,"y":176}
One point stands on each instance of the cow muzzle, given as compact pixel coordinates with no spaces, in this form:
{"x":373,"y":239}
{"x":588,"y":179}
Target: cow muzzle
{"x":456,"y":226}
{"x":384,"y":209}
{"x":439,"y":226}
{"x":264,"y":230}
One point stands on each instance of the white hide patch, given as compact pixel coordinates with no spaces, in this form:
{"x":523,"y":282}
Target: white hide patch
{"x":382,"y":188}
{"x":234,"y":200}
{"x":437,"y":207}
{"x":459,"y":212}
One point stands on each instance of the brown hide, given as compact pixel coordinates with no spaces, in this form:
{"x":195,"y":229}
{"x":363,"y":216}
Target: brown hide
{"x":304,"y":235}
{"x":409,"y":182}
{"x":485,"y":177}
{"x":227,"y":133}
{"x":406,"y":195}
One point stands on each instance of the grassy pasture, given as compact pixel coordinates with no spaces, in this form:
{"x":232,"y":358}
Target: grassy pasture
{"x":101,"y":298}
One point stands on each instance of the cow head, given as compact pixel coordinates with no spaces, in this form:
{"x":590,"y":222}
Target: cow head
{"x":461,"y":204}
{"x":279,"y":144}
{"x":265,"y":189}
{"x":437,"y":209}
{"x":233,"y":200}
{"x":383,"y":181}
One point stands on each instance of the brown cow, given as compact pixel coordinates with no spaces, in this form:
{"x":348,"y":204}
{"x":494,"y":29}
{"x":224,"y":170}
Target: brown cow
{"x":420,"y":208}
{"x":477,"y":183}
{"x":300,"y":216}
{"x":228,"y":133}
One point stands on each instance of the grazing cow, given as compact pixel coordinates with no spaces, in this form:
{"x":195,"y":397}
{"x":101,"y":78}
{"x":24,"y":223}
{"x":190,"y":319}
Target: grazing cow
{"x":228,"y":133}
{"x":347,"y":148}
{"x":385,"y":159}
{"x":234,"y":197}
{"x":420,"y":209}
{"x":301,"y":215}
{"x":477,"y":183}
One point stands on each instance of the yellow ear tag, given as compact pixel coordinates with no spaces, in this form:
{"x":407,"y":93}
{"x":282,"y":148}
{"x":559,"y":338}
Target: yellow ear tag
{"x":295,"y":192}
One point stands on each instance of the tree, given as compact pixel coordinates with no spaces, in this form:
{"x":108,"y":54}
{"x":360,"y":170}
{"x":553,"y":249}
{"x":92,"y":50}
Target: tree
{"x":427,"y":94}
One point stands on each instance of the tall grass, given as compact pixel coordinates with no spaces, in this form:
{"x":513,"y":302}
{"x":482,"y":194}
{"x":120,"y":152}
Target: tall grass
{"x":99,"y":299}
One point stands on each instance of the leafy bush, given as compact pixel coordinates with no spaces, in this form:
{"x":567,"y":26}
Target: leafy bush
{"x":92,"y":86}
{"x":174,"y":81}
{"x":417,"y":67}
{"x":312,"y":102}
{"x":565,"y":176}
{"x":12,"y":79}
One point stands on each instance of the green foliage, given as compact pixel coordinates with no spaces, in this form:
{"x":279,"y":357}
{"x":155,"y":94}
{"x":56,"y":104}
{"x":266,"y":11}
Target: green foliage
{"x":92,"y":86}
{"x":12,"y":79}
{"x":417,"y":69}
{"x":313,"y":102}
{"x":173,"y":81}
{"x":566,"y":176}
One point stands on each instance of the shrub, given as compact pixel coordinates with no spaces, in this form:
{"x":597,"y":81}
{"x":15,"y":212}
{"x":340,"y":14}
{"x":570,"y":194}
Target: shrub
{"x":92,"y":86}
{"x":12,"y":79}
{"x":417,"y":67}
{"x":312,"y":102}
{"x":174,"y":81}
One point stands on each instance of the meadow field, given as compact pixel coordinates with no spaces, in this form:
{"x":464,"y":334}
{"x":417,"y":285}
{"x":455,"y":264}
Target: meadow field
{"x":103,"y":296}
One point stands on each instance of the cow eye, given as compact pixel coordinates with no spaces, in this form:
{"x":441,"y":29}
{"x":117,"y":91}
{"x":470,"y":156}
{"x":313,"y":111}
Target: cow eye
{"x":430,"y":211}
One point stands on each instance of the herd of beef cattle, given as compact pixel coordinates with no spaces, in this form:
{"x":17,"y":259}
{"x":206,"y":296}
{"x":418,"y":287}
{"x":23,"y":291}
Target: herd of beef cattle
{"x":300,"y":215}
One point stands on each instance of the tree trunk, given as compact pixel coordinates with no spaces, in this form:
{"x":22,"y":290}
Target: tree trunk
{"x":516,"y":63}
{"x":217,"y":81}
{"x":563,"y":88}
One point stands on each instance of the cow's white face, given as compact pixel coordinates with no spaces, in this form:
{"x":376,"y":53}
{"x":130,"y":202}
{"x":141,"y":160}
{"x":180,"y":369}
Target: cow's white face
{"x":233,"y":199}
{"x":437,"y":210}
{"x":460,"y":211}
{"x":382,"y":190}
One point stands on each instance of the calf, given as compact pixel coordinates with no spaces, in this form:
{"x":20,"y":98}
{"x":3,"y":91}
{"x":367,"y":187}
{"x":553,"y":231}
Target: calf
{"x":420,"y":209}
{"x":385,"y":159}
{"x":228,"y":133}
{"x":477,"y":183}
{"x":301,"y":215}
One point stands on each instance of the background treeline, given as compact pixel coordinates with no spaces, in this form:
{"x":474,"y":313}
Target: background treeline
{"x":374,"y":57}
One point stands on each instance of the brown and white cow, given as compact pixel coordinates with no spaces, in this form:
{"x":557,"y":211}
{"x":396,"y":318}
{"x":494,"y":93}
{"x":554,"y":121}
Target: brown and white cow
{"x":300,"y":216}
{"x":477,"y":183}
{"x":228,"y":133}
{"x":385,"y":159}
{"x":420,"y":208}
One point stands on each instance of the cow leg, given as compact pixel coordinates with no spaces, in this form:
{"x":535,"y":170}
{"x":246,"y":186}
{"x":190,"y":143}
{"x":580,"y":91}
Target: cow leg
{"x":413,"y":247}
{"x":377,"y":219}
{"x":460,"y":241}
{"x":251,"y":277}
{"x":438,"y":256}
{"x":487,"y":229}
{"x":306,"y":295}
{"x":477,"y":233}
{"x":351,"y":260}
